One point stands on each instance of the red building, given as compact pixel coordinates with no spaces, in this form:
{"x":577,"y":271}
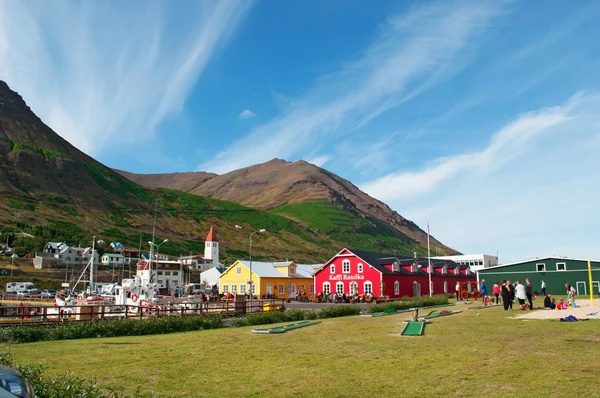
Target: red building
{"x":383,"y":274}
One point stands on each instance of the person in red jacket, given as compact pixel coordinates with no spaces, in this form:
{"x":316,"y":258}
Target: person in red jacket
{"x":496,"y":291}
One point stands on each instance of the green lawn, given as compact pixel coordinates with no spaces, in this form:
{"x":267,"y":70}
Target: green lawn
{"x":459,"y":355}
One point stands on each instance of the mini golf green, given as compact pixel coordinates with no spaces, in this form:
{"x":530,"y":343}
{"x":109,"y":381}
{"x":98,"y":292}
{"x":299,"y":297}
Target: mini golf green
{"x":285,"y":328}
{"x":413,"y":328}
{"x":437,"y":314}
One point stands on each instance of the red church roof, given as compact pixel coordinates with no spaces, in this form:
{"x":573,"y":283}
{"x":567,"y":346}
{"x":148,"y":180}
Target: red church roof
{"x":212,"y":235}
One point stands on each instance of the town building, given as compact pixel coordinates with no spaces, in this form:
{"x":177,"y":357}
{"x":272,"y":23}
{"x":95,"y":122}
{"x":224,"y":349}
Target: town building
{"x":166,"y":274}
{"x":382,"y":274}
{"x":208,"y":260}
{"x":476,"y":262}
{"x":112,"y":260}
{"x":59,"y":254}
{"x":116,"y":246}
{"x":277,"y":280}
{"x":211,"y":277}
{"x":554,"y":271}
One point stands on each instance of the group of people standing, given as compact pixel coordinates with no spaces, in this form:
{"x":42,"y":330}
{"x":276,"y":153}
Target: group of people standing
{"x":509,"y":291}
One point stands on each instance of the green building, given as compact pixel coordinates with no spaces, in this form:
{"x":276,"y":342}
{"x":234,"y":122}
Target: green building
{"x":555,"y":271}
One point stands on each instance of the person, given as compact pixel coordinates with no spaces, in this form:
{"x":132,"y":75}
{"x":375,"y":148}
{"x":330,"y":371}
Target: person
{"x":559,"y":305}
{"x":483,"y":291}
{"x":548,"y":301}
{"x":529,"y":292}
{"x":520,"y":294}
{"x":572,"y":294}
{"x":511,"y":296}
{"x":505,"y":294}
{"x":543,"y":288}
{"x":496,"y":291}
{"x":553,"y":303}
{"x":457,"y":288}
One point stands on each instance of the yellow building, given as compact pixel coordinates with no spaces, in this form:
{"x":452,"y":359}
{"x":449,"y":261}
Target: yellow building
{"x":280,"y":280}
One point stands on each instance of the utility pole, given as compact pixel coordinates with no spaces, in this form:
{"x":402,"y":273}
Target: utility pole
{"x":429,"y":263}
{"x":92,"y":283}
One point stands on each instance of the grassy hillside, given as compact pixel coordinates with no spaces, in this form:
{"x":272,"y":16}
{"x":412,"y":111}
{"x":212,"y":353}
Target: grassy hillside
{"x":330,"y":220}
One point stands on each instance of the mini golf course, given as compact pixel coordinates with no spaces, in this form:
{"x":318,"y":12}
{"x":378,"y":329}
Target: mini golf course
{"x":285,"y":328}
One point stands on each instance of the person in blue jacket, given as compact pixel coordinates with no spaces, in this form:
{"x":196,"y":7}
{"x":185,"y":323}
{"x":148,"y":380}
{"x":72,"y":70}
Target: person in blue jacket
{"x":483,"y":291}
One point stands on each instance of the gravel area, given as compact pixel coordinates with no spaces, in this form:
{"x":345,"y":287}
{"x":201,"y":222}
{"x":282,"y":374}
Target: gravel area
{"x":580,"y":312}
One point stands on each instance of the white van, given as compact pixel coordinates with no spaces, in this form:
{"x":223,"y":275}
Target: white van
{"x":194,"y":288}
{"x":14,"y":287}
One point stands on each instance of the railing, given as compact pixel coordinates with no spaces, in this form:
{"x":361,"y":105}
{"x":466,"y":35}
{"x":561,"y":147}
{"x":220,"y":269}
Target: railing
{"x":26,"y":297}
{"x":47,"y":314}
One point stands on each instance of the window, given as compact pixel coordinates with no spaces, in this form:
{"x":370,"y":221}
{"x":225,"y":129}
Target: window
{"x":326,"y":288}
{"x":160,"y":273}
{"x":561,"y":266}
{"x":302,"y":287}
{"x":234,"y":289}
{"x":540,"y":267}
{"x":457,"y":270}
{"x":368,"y":286}
{"x":346,"y":266}
{"x":281,"y":289}
{"x":312,"y":289}
{"x":160,"y":281}
{"x":291,"y":271}
{"x":225,"y":289}
{"x":238,"y":270}
{"x":444,"y":270}
{"x":396,"y":288}
{"x":445,"y":287}
{"x":339,"y":287}
{"x":175,"y":273}
{"x":332,"y":269}
{"x":242,"y":289}
{"x":269,"y":289}
{"x":353,"y":288}
{"x":167,"y":272}
{"x":360,"y":267}
{"x":292,"y":288}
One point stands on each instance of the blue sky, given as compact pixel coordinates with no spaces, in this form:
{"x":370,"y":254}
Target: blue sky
{"x":480,"y":117}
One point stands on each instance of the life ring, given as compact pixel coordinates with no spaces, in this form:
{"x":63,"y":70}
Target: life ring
{"x":80,"y":297}
{"x":134,"y":297}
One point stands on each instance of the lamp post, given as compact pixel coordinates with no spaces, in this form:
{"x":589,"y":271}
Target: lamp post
{"x":152,"y":244}
{"x":13,"y":263}
{"x":251,"y":281}
{"x":497,"y":261}
{"x":6,"y":246}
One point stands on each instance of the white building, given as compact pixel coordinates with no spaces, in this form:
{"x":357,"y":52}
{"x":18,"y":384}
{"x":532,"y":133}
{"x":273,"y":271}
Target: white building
{"x":476,"y":262}
{"x":113,"y":260}
{"x":211,"y":277}
{"x":59,"y":253}
{"x":165,"y":273}
{"x":210,"y":258}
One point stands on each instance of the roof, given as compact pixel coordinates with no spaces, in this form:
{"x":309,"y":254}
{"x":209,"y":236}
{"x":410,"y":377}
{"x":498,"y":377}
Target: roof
{"x":537,"y":259}
{"x":56,"y":245}
{"x":191,"y":257}
{"x":212,"y":235}
{"x":113,"y":254}
{"x":264,"y":269}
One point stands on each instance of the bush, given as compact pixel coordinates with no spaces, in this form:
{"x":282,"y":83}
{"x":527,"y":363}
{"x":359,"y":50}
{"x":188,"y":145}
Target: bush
{"x":337,"y":311}
{"x":410,"y":302}
{"x":65,"y":386}
{"x":109,"y":328}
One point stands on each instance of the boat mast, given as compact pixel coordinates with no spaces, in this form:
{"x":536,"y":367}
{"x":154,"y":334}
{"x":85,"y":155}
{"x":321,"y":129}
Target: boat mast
{"x":92,"y":284}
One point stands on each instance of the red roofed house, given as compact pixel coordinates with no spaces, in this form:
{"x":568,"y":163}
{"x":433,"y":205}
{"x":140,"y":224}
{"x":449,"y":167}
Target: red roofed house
{"x":210,"y":258}
{"x":383,"y":274}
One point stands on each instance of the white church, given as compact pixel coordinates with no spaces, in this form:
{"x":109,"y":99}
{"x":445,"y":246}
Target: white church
{"x":209,"y":260}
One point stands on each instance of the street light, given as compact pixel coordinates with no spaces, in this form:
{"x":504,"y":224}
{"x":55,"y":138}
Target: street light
{"x":152,"y":244}
{"x":251,"y":282}
{"x":6,"y":246}
{"x":13,"y":263}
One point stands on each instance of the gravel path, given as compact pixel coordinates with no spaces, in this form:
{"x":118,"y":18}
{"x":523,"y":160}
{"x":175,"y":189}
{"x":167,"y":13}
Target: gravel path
{"x":580,"y":312}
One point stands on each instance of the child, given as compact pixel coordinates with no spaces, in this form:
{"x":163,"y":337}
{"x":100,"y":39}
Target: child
{"x":559,"y":305}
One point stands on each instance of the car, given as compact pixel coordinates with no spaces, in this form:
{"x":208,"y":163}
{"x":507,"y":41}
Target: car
{"x":48,"y":293}
{"x":34,"y":291}
{"x":25,"y":292}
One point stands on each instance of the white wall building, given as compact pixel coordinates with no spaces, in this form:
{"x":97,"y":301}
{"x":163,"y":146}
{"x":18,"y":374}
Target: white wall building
{"x":475,"y":261}
{"x":212,"y":276}
{"x":59,"y":253}
{"x":165,"y":273}
{"x":112,"y":259}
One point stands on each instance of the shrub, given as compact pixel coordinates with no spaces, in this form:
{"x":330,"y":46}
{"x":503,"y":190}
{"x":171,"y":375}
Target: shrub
{"x":410,"y":302}
{"x":295,"y":315}
{"x":66,"y":386}
{"x":109,"y":328}
{"x":337,"y":311}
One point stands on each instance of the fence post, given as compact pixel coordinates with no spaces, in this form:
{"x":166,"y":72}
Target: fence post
{"x":102,"y":313}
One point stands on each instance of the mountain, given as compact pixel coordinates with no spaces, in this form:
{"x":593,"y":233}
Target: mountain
{"x":303,"y":192}
{"x":50,"y":189}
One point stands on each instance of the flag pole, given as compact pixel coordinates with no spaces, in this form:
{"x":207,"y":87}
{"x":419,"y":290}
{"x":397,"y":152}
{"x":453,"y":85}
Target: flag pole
{"x":591,"y":285}
{"x":429,"y":262}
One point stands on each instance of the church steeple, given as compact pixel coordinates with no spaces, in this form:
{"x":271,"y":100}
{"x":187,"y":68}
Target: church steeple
{"x":211,"y":247}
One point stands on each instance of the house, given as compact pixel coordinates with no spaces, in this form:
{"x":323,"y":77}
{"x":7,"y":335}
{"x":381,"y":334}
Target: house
{"x":113,"y":260}
{"x":167,"y":274}
{"x":279,"y":279}
{"x":554,"y":271}
{"x":59,"y":254}
{"x":475,"y":262}
{"x":212,"y":276}
{"x":382,"y":274}
{"x":197,"y":262}
{"x":117,"y":246}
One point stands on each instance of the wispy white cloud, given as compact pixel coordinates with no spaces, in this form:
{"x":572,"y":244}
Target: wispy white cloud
{"x":247,"y":114}
{"x":95,"y":75}
{"x":530,"y":192}
{"x":411,"y":54}
{"x":320,"y":160}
